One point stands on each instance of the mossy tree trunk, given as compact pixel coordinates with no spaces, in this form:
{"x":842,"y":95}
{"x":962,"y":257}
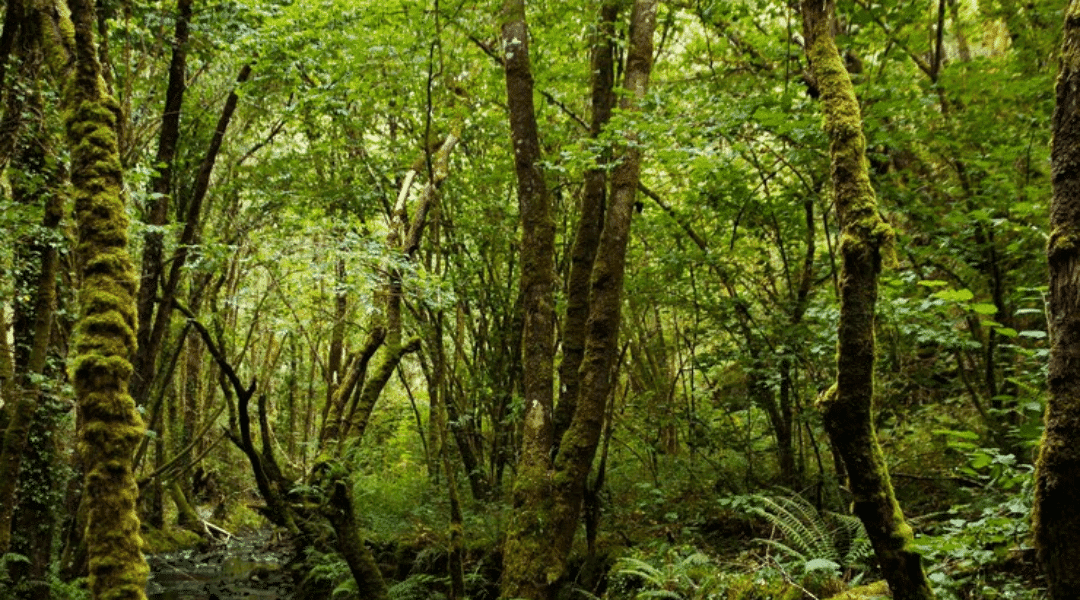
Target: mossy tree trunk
{"x":526,"y":560}
{"x":1057,"y":480}
{"x":848,"y":407}
{"x":105,"y":333}
{"x":549,"y":491}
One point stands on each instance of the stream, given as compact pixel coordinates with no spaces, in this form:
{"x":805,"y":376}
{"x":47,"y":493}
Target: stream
{"x":249,"y":567}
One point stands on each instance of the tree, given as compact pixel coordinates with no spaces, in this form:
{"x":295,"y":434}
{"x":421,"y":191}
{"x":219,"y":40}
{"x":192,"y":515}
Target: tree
{"x":848,"y":406}
{"x":550,"y":488}
{"x":1057,"y":481}
{"x":105,"y":333}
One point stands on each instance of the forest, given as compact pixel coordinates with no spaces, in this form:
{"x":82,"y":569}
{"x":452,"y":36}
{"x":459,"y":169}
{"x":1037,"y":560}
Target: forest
{"x":578,"y":300}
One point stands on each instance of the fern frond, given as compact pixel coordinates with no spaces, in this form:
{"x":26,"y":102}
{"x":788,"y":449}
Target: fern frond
{"x":802,"y":526}
{"x":640,"y":569}
{"x":850,"y":538}
{"x":785,"y":549}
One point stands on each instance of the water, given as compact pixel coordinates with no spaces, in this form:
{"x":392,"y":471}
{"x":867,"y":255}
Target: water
{"x":248,"y":568}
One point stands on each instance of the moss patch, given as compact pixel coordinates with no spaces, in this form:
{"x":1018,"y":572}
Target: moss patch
{"x":872,"y":591}
{"x":158,"y":541}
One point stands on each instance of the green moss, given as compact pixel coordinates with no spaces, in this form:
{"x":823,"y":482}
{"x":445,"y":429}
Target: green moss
{"x":157,"y":541}
{"x":873,"y":591}
{"x":827,"y":399}
{"x":1062,"y":241}
{"x":89,"y":367}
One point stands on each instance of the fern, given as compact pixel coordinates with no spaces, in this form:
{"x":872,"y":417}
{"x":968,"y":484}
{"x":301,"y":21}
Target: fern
{"x":417,"y":587}
{"x":689,"y":577}
{"x":810,"y":536}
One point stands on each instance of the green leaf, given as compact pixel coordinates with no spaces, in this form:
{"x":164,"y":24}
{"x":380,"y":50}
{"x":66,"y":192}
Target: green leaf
{"x":983,"y":308}
{"x":1033,"y":333}
{"x":955,"y":295}
{"x":932,"y":283}
{"x":821,"y":564}
{"x":980,"y":461}
{"x":1006,"y":331}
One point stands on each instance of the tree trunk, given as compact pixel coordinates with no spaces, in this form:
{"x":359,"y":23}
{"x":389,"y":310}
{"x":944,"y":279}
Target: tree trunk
{"x":1057,"y":480}
{"x":158,"y":205}
{"x":590,"y":223}
{"x":528,"y":566}
{"x":848,"y":406}
{"x":548,"y":494}
{"x":105,"y":334}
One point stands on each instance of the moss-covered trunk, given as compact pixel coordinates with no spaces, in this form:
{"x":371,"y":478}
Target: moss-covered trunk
{"x":548,"y":493}
{"x":105,"y":334}
{"x":529,"y":565}
{"x":578,"y":445}
{"x":848,"y":407}
{"x":1057,"y":481}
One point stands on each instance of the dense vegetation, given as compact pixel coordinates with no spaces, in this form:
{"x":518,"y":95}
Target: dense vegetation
{"x":482,"y":299}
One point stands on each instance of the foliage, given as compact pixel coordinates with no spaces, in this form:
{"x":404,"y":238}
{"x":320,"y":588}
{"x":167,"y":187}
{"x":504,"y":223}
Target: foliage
{"x":330,"y":571}
{"x":834,"y":543}
{"x":683,"y":573}
{"x":419,"y":587}
{"x":59,"y":589}
{"x":982,"y":548}
{"x":724,"y":349}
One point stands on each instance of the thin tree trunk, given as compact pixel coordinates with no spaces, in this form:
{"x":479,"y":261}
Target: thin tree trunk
{"x":105,"y":334}
{"x":591,"y":221}
{"x":158,"y":203}
{"x":848,"y":406}
{"x":1057,"y":480}
{"x":148,"y":353}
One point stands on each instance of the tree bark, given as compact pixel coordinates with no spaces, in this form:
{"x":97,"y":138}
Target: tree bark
{"x":105,"y":333}
{"x":579,"y":444}
{"x":147,"y":355}
{"x":848,"y":406}
{"x":339,"y":511}
{"x":1057,"y":480}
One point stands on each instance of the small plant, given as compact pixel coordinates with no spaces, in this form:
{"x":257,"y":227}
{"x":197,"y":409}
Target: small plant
{"x":329,"y":569}
{"x":814,"y":541}
{"x":691,"y":576}
{"x":685,"y":573}
{"x":419,"y":586}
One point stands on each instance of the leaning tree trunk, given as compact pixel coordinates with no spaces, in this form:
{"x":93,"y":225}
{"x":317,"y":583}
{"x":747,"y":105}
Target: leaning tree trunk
{"x":105,"y":332}
{"x":848,"y":406}
{"x":1057,"y":480}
